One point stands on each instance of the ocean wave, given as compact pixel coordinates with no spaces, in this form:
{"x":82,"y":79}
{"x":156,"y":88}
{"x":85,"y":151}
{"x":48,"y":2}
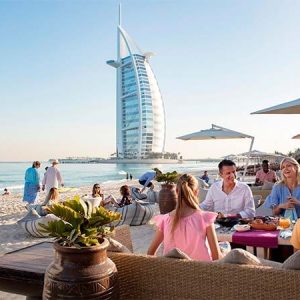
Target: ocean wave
{"x":122,"y":172}
{"x":13,"y":187}
{"x":114,"y":181}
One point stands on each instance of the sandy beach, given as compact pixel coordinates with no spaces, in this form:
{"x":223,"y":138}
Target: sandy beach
{"x":13,"y":237}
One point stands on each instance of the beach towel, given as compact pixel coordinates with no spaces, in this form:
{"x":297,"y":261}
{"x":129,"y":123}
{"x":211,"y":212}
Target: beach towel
{"x":30,"y":192}
{"x":67,"y":189}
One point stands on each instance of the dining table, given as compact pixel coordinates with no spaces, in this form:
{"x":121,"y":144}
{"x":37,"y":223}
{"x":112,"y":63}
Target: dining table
{"x":255,"y":241}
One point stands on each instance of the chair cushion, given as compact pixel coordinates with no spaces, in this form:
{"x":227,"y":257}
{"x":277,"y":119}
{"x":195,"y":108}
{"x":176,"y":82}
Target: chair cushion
{"x":241,"y":257}
{"x":115,"y":246}
{"x":135,"y":214}
{"x":293,"y":262}
{"x":135,"y":192}
{"x":31,"y":223}
{"x":152,"y":196}
{"x":177,"y":253}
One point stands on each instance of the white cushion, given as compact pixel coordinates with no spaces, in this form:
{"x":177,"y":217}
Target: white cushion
{"x":293,"y":262}
{"x":115,"y":246}
{"x":177,"y":253}
{"x":240,"y":256}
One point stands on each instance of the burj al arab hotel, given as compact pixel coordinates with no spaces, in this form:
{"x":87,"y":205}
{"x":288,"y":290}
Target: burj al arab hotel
{"x":141,"y":127}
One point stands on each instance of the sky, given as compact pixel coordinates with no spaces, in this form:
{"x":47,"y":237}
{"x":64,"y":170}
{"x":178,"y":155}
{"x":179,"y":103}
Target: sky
{"x":216,"y":62}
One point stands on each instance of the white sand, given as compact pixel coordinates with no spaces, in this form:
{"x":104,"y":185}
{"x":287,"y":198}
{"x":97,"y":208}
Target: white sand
{"x":12,"y":209}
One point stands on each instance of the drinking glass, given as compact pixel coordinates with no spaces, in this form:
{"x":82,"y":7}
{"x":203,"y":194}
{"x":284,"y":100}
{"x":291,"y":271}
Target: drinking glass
{"x":285,"y":223}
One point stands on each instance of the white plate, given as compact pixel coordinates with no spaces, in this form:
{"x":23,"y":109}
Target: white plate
{"x":241,"y":227}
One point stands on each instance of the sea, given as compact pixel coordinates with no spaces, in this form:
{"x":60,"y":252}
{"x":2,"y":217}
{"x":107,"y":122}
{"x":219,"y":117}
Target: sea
{"x":76,"y":175}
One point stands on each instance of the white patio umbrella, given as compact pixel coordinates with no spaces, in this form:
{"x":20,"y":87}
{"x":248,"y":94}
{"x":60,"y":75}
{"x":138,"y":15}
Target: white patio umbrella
{"x":255,"y":153}
{"x":291,"y":107}
{"x":218,"y":132}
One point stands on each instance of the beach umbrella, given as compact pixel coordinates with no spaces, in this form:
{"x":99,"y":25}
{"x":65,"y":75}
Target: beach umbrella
{"x":255,"y":153}
{"x":291,"y":107}
{"x":218,"y":132}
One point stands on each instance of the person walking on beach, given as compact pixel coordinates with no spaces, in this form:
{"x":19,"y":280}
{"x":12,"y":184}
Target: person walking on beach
{"x":127,"y":176}
{"x":187,"y":228}
{"x":52,"y":177}
{"x":130,"y":176}
{"x":32,"y":183}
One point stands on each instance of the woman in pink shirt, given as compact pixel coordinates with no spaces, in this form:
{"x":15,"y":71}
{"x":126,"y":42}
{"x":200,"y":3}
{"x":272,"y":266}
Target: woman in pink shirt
{"x":187,"y":228}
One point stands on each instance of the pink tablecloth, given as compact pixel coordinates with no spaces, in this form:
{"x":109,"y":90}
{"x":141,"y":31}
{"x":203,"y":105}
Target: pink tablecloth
{"x":257,"y":238}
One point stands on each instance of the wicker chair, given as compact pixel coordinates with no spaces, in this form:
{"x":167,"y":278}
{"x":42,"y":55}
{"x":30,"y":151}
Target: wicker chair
{"x":149,"y":277}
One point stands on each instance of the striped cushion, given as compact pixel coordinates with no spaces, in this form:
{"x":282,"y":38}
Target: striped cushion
{"x":135,"y":193}
{"x":31,"y":223}
{"x":135,"y":214}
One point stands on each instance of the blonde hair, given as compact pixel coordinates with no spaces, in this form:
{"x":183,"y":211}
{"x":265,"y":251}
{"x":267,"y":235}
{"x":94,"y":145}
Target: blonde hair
{"x":187,"y":187}
{"x":53,"y":194}
{"x":293,"y":162}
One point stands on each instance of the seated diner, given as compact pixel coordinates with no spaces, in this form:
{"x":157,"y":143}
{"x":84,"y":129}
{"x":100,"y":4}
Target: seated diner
{"x":285,"y":195}
{"x":229,"y":196}
{"x":265,"y":174}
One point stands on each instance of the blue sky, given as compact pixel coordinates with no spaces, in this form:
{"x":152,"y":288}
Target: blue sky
{"x":216,"y":62}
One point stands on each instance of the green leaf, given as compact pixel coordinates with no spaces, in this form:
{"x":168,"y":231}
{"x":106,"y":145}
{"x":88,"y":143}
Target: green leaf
{"x":66,"y":213}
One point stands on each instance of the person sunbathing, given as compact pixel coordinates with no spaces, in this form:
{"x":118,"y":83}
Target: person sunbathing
{"x":97,"y":196}
{"x":126,"y":197}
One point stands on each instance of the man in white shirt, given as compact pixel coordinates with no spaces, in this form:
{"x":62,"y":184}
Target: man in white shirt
{"x":52,"y":177}
{"x":229,"y":196}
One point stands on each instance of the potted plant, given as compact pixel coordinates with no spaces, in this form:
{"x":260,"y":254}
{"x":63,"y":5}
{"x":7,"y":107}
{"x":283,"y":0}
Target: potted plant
{"x":81,"y":268}
{"x":167,"y":197}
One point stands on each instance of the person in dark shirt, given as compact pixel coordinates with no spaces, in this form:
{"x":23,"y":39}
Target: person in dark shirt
{"x":205,"y":177}
{"x":126,"y":197}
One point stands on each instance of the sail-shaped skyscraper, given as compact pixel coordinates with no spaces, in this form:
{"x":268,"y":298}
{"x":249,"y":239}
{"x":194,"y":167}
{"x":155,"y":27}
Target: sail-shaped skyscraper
{"x":140,"y":118}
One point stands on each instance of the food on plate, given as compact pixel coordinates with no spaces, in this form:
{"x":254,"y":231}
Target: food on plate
{"x":257,"y":221}
{"x":263,"y":226}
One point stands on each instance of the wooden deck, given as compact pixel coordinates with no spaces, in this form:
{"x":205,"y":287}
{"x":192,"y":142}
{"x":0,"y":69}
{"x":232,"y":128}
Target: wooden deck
{"x":22,"y":271}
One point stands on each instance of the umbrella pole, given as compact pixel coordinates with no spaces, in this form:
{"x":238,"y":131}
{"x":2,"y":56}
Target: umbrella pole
{"x":247,"y":161}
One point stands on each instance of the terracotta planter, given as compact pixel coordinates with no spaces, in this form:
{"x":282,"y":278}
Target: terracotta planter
{"x":85,"y":273}
{"x":167,"y":198}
